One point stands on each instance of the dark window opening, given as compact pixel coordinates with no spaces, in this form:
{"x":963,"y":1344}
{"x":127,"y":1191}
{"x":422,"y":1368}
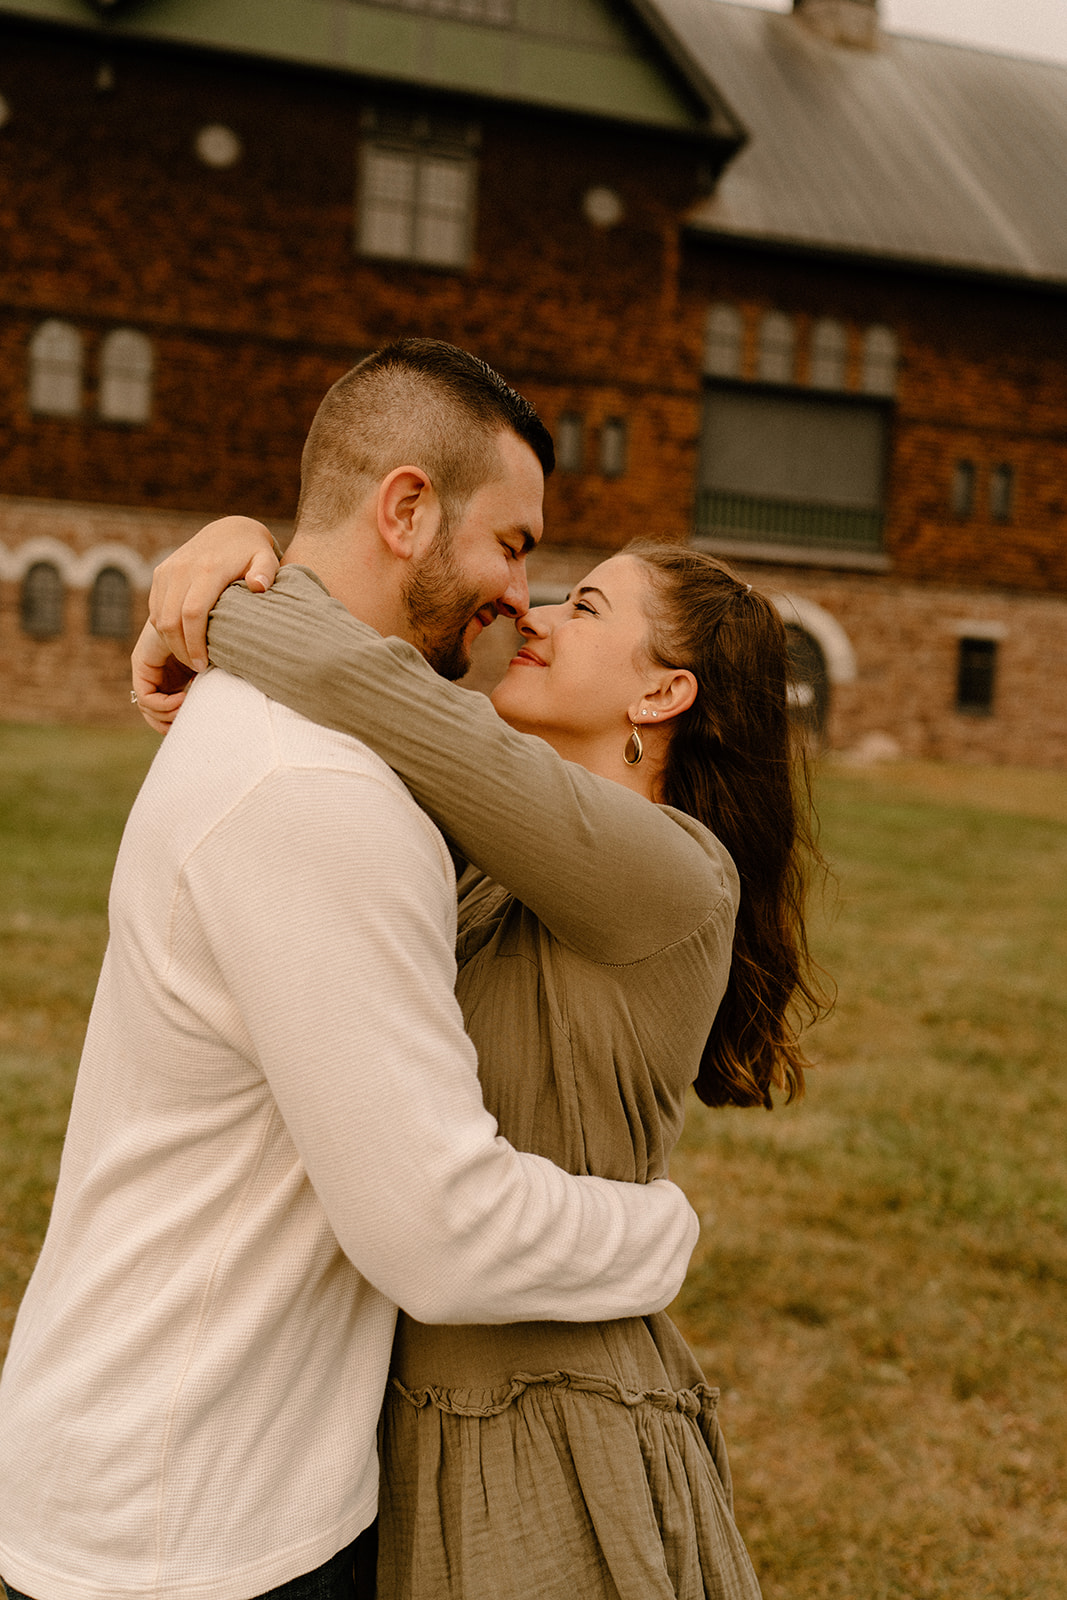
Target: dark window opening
{"x":809,"y":686}
{"x":110,"y":607}
{"x":570,"y":444}
{"x":792,"y":469}
{"x":1001,"y":493}
{"x":41,"y":601}
{"x":963,"y":489}
{"x":976,"y":676}
{"x":613,"y":447}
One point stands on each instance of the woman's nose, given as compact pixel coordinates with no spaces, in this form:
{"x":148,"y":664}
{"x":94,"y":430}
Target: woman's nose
{"x":534,"y":624}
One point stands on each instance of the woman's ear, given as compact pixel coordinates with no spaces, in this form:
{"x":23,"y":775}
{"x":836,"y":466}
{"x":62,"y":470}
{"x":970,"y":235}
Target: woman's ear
{"x":672,"y":693}
{"x":409,"y":512}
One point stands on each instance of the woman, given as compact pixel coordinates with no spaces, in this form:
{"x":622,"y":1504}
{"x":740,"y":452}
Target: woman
{"x":596,"y":931}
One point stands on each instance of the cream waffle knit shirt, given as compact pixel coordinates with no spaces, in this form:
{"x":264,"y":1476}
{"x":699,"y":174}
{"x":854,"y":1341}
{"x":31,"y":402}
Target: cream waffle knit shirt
{"x":277,"y":1136}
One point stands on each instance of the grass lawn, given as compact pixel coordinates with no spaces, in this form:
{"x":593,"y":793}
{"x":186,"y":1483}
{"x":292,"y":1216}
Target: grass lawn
{"x":881,"y":1288}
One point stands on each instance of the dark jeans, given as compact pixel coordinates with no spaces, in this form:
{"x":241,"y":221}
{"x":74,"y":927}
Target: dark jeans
{"x":349,"y":1575}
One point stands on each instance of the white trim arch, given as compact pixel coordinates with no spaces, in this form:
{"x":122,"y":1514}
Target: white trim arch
{"x":14,"y":564}
{"x":138,"y":570}
{"x":77,"y":571}
{"x":827,"y":632}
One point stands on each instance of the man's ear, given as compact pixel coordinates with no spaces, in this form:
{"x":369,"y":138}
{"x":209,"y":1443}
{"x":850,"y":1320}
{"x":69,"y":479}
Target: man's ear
{"x":408,"y":512}
{"x":671,"y":693}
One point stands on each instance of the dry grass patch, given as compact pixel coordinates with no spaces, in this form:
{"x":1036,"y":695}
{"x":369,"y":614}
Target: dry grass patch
{"x":64,"y":795}
{"x":881,"y":1289}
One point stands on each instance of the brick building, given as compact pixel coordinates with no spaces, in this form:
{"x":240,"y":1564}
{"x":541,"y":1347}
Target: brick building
{"x":779,"y":284}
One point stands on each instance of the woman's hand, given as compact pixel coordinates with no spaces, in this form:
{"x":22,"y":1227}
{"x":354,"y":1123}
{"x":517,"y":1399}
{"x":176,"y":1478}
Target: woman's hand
{"x":188,"y":583}
{"x":172,"y":647}
{"x":159,"y":680}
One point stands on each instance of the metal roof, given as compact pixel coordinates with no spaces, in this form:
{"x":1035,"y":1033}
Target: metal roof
{"x":920,"y":151}
{"x":590,"y":56}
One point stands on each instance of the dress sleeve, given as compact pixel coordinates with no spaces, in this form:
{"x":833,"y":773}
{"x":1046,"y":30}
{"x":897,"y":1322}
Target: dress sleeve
{"x":608,"y":873}
{"x":359,"y":1036}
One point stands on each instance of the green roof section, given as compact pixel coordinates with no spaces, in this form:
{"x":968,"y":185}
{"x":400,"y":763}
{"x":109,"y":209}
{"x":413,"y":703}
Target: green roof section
{"x":603,"y":58}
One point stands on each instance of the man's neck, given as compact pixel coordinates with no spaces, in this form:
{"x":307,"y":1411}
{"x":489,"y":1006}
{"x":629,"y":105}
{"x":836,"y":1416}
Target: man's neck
{"x":352,"y":575}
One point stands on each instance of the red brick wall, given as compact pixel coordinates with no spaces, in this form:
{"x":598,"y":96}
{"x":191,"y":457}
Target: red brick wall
{"x":247,"y":282}
{"x":983,"y":377}
{"x":248,"y":285}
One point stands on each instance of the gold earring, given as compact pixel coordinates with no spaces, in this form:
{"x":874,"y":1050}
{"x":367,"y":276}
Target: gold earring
{"x":633,"y":743}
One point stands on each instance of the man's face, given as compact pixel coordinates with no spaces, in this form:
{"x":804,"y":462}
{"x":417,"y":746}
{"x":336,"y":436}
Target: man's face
{"x":475,"y":569}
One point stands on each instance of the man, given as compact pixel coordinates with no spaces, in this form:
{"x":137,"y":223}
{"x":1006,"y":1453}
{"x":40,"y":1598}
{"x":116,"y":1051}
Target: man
{"x":277,"y":1134}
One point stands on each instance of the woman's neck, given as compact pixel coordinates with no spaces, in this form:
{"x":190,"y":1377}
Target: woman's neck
{"x":605,"y":758}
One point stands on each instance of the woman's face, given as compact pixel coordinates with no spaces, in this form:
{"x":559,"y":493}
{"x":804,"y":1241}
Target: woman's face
{"x":582,"y":669}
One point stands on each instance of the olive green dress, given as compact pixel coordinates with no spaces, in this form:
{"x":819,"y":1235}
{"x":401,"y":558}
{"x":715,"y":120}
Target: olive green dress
{"x":547,"y":1461}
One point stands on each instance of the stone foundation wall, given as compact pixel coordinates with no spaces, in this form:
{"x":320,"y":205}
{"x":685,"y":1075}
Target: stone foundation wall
{"x":905,"y":642}
{"x":75,"y":677}
{"x":892,"y":652}
{"x":891,"y":646}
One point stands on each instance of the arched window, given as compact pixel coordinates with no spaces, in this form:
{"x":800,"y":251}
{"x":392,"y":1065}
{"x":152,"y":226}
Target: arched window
{"x":829,"y":350}
{"x":722,"y":342}
{"x":110,"y":605}
{"x":41,"y":601}
{"x":809,"y":682}
{"x":880,"y":359}
{"x":125,"y":377}
{"x":56,"y":370}
{"x":776,"y":362}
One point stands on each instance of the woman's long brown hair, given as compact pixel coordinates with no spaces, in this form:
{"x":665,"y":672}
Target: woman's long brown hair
{"x":735,"y":762}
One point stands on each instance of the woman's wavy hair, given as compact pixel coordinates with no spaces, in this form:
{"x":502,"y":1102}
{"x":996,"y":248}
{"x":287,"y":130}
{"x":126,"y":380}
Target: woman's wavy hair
{"x":736,"y":762}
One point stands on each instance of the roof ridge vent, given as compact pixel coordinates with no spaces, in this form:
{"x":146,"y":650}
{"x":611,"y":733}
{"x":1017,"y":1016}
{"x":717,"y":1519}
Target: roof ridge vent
{"x":849,"y":22}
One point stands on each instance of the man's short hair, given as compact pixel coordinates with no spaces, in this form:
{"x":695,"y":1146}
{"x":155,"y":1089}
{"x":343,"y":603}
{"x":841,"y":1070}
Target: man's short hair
{"x":416,"y":402}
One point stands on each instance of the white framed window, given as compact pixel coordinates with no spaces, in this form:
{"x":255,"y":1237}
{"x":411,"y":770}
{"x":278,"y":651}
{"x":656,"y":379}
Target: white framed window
{"x":776,"y":357}
{"x":416,"y":204}
{"x":125,"y":376}
{"x":56,"y":356}
{"x":723,"y":341}
{"x":829,"y":353}
{"x":881,"y":358}
{"x":41,"y":601}
{"x":111,"y":605}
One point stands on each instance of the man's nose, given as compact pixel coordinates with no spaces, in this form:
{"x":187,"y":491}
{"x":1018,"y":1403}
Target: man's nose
{"x":515,"y":601}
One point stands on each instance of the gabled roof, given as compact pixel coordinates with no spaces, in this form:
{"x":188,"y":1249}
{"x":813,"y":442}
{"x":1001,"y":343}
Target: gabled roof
{"x":606,"y":58}
{"x":918,"y":151}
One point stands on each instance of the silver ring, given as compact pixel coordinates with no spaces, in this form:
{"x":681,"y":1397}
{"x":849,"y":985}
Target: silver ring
{"x":133,"y":697}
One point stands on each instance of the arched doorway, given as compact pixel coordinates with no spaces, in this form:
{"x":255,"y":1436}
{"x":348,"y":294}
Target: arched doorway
{"x":809,"y":691}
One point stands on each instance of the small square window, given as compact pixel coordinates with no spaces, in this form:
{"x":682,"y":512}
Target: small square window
{"x":976,"y":676}
{"x":613,"y":447}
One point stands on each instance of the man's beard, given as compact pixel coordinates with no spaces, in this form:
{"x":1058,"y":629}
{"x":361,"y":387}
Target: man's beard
{"x":439,"y":607}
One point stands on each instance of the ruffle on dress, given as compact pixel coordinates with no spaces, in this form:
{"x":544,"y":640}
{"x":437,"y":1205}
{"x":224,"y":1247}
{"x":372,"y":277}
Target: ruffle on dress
{"x":557,"y":1486}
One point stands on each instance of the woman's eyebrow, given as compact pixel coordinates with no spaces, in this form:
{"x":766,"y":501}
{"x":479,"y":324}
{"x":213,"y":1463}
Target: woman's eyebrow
{"x":588,"y":588}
